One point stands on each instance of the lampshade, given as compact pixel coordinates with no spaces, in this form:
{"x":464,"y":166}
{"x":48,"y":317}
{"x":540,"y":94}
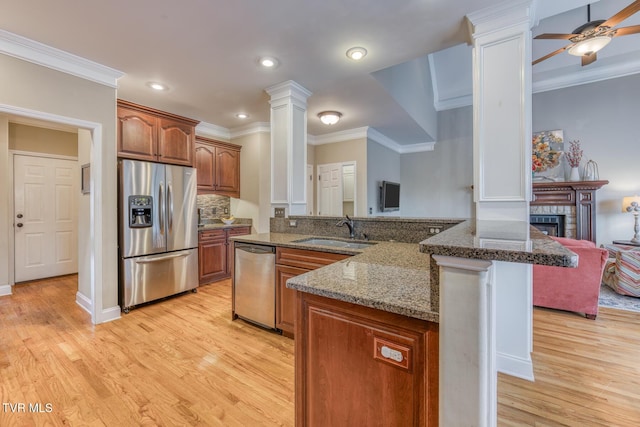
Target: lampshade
{"x":589,"y":46}
{"x":330,"y":117}
{"x":631,"y":204}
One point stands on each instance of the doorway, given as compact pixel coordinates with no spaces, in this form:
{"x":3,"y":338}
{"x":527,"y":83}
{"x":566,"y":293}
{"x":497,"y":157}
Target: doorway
{"x":337,"y":189}
{"x":45,"y":216}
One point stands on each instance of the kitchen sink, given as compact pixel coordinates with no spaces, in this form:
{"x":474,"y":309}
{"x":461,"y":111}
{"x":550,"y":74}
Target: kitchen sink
{"x":335,"y":243}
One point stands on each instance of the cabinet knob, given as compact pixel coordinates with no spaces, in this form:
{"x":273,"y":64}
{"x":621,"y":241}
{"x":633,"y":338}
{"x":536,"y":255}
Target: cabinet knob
{"x":19,"y":225}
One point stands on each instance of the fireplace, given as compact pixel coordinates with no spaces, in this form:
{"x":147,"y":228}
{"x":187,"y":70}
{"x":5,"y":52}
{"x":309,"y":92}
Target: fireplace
{"x":551,"y":225}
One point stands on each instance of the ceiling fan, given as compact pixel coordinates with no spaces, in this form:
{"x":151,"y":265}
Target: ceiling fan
{"x":589,"y":38}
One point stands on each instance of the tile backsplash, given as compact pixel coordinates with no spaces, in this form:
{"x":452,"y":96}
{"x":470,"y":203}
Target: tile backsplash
{"x":210,"y":203}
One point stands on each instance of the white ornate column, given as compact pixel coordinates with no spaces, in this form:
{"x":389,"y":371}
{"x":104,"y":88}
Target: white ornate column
{"x":468,"y":380}
{"x":502,"y":162}
{"x":289,"y":146}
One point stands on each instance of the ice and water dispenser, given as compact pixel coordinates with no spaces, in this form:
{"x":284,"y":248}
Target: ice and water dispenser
{"x":140,"y":211}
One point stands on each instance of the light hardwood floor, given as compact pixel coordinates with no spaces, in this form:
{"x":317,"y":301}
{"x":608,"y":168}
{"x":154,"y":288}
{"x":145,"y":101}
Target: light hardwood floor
{"x":184,"y":362}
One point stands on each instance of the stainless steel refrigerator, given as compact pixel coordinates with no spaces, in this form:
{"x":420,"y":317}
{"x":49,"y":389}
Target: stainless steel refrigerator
{"x":158,"y":231}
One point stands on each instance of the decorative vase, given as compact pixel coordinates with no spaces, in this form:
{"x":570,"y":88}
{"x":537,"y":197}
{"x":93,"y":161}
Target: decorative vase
{"x":574,"y":175}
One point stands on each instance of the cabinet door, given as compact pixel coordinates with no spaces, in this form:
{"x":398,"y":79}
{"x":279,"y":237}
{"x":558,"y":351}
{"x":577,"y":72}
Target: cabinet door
{"x":205,"y":166}
{"x":175,"y":142}
{"x":212,"y":256}
{"x":227,"y":171}
{"x":137,"y":135}
{"x":390,"y":362}
{"x":286,"y":299}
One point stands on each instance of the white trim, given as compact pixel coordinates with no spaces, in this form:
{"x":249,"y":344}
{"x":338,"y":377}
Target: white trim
{"x":5,"y":290}
{"x":562,"y":78}
{"x":257,"y":127}
{"x":37,"y":154}
{"x":515,"y":366}
{"x":385,"y":141}
{"x":84,"y":302}
{"x":451,"y":103}
{"x":109,"y":314}
{"x":340,"y":136}
{"x":212,"y":131}
{"x":56,"y":59}
{"x":469,"y":264}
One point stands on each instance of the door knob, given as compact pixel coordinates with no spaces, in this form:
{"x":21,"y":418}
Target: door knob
{"x":19,"y":224}
{"x":19,"y":215}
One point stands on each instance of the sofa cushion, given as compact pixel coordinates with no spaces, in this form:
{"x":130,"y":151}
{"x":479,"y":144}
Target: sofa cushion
{"x":569,"y":243}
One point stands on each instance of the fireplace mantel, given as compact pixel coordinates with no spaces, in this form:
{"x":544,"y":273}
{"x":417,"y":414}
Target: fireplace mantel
{"x":581,"y":194}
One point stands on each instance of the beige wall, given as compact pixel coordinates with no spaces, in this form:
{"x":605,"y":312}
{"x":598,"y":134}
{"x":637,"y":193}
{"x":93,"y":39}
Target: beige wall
{"x":83,"y":144}
{"x":345,"y":151}
{"x":5,"y":192}
{"x":255,"y":178}
{"x":32,"y":87}
{"x":41,"y":140}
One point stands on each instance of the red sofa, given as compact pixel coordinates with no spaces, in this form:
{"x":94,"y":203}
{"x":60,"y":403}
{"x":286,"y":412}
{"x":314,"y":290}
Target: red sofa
{"x":571,"y":289}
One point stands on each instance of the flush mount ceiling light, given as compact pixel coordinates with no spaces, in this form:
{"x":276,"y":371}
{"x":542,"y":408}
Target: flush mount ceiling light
{"x":157,"y":86}
{"x":242,"y":115}
{"x":356,"y":53}
{"x":268,"y":62}
{"x":330,"y":117}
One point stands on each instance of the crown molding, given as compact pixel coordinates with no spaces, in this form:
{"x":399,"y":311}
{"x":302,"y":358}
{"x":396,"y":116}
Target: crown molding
{"x":343,"y":135}
{"x":288,"y":90}
{"x":251,"y":128}
{"x":56,"y":59}
{"x":213,"y":131}
{"x":615,"y":67}
{"x":385,"y":141}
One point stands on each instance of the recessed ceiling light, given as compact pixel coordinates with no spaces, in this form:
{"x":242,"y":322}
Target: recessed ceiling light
{"x":356,"y":53}
{"x":242,"y":115}
{"x":157,"y":86}
{"x":330,"y":117}
{"x":268,"y":62}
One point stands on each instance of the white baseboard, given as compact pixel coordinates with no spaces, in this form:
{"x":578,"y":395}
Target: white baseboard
{"x":514,"y":366}
{"x":84,"y":302}
{"x":109,"y":314}
{"x":5,"y":290}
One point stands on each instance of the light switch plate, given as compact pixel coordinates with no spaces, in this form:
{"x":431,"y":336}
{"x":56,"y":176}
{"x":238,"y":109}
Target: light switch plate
{"x":278,"y":212}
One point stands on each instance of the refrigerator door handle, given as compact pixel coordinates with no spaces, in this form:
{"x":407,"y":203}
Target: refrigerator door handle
{"x":170,"y":203}
{"x":161,"y":207}
{"x":148,"y":260}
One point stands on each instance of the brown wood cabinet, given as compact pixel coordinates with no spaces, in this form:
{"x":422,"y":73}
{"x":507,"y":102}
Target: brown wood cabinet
{"x":290,"y":263}
{"x":153,"y":135}
{"x":218,"y":165}
{"x":215,"y":254}
{"x":360,"y":366}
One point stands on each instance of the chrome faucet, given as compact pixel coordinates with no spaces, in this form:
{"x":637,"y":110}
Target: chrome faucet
{"x":349,"y":223}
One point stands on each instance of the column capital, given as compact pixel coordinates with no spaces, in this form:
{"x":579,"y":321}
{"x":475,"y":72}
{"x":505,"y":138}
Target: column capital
{"x":500,"y":16}
{"x":288,"y":91}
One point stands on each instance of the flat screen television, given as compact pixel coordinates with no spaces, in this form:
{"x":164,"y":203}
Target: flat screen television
{"x":389,"y":196}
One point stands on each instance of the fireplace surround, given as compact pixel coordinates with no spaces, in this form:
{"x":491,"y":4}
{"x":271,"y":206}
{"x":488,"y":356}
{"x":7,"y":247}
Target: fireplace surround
{"x":575,"y":200}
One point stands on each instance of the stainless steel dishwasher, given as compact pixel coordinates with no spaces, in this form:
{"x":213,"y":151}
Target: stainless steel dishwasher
{"x":255,"y":284}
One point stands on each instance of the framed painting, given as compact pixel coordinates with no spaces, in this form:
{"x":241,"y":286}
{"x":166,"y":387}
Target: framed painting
{"x":546,"y":151}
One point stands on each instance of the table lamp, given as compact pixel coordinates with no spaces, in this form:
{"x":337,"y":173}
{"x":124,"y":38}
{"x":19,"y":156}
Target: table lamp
{"x":632,"y":205}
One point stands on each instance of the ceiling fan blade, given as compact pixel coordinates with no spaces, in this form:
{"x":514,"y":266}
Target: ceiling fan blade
{"x":554,"y":36}
{"x":562,"y":49}
{"x":588,"y":59}
{"x":625,"y":31}
{"x":622,"y":15}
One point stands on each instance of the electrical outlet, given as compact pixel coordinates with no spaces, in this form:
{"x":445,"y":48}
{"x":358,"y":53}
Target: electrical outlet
{"x":226,"y":210}
{"x":213,"y":210}
{"x":293,"y":223}
{"x":278,"y":212}
{"x":370,"y":211}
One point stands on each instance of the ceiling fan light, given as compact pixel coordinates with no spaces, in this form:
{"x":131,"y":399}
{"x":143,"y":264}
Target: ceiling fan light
{"x":589,"y":46}
{"x":330,"y":117}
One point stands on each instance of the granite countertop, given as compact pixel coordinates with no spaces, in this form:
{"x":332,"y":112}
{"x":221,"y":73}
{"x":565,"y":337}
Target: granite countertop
{"x":499,"y":241}
{"x":389,"y":276}
{"x":220,"y":225}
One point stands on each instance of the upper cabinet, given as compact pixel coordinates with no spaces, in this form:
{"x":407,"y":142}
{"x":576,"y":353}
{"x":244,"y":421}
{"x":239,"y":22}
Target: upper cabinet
{"x":218,"y":165}
{"x":153,"y":135}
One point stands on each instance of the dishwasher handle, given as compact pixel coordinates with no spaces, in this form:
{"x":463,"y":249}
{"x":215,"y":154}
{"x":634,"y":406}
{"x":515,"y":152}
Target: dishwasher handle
{"x":255,"y":249}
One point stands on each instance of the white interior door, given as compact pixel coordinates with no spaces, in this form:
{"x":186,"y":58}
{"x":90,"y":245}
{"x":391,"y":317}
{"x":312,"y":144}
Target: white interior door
{"x":45,"y":217}
{"x":330,"y":189}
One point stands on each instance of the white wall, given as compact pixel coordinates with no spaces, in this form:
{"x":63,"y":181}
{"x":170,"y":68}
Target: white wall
{"x":438,"y":183}
{"x":5,"y":193}
{"x":604,"y":117}
{"x":383,"y":164}
{"x":84,"y":221}
{"x":255,"y":173}
{"x":25,"y":86}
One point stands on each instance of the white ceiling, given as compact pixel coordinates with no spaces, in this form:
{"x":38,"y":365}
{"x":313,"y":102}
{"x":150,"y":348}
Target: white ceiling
{"x":206,"y":51}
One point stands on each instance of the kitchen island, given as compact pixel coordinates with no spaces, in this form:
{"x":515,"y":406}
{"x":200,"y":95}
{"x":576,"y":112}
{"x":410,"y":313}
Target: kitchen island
{"x":347,"y":311}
